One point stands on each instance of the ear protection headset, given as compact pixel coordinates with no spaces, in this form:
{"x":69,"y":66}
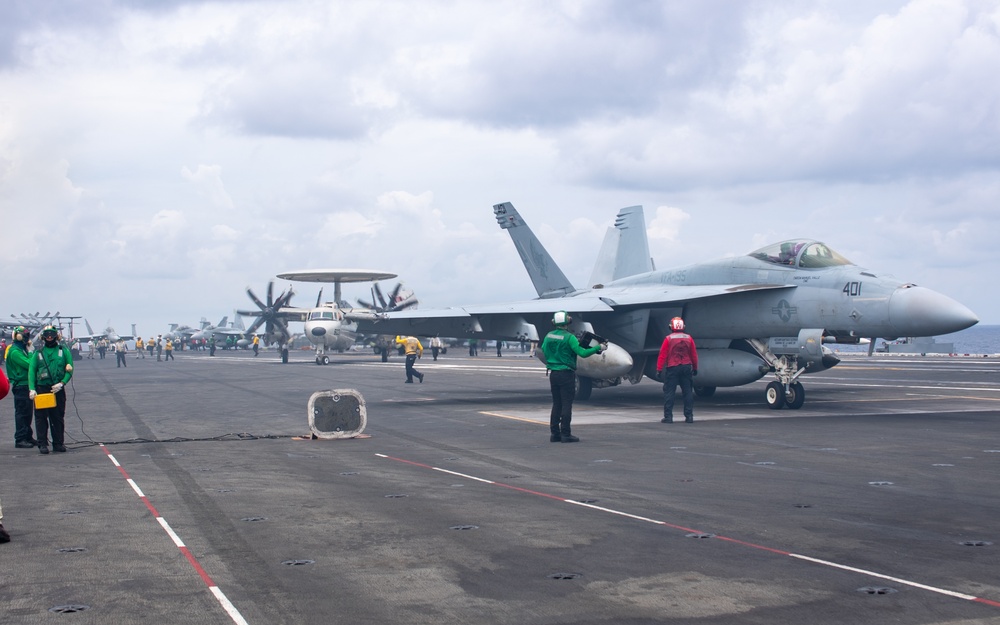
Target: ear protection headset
{"x":20,"y":334}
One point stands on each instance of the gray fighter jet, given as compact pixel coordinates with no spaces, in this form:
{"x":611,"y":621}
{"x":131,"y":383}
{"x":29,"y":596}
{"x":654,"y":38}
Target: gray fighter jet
{"x":768,"y":312}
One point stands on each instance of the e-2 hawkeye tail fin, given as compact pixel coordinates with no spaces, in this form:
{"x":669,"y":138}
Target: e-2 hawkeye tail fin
{"x":625,"y":251}
{"x":548,"y":279}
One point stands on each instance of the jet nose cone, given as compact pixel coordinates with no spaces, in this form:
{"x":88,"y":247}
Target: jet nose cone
{"x":918,"y":311}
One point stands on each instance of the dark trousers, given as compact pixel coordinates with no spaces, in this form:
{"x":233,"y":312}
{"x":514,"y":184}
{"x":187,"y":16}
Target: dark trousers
{"x":410,"y":371}
{"x":563,"y":385}
{"x":51,"y":418}
{"x":121,"y":359}
{"x":434,"y":352}
{"x":22,"y":414}
{"x":169,"y":354}
{"x":681,"y":374}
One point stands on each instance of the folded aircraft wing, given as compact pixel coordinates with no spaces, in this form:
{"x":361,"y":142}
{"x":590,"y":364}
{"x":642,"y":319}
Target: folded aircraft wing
{"x":295,"y":314}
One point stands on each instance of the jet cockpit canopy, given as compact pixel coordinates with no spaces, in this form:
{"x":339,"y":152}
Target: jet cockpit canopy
{"x":801,"y":253}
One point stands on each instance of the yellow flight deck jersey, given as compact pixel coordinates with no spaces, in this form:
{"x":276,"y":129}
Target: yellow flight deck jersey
{"x":411,"y":345}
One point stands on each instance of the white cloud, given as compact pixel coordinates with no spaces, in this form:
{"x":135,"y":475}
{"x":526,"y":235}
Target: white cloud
{"x":667,"y":223}
{"x":196,"y":147}
{"x":208,"y":180}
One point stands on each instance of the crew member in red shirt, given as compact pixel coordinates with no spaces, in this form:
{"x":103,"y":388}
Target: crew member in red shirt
{"x":677,"y":364}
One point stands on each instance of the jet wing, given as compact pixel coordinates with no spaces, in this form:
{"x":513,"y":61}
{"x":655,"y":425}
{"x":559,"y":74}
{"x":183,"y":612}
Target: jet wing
{"x":650,"y":296}
{"x":487,"y":319}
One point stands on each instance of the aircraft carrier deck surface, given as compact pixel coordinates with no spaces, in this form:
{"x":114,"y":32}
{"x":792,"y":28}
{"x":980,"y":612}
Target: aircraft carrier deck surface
{"x":877,"y":502}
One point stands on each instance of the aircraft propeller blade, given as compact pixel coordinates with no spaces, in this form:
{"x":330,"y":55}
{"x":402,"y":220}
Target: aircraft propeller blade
{"x":283,"y":299}
{"x":319,"y":298}
{"x":394,"y":296}
{"x":871,"y":347}
{"x":255,"y":299}
{"x":393,"y":302}
{"x":256,"y":324}
{"x":381,"y":298}
{"x":406,"y":303}
{"x":269,"y":314}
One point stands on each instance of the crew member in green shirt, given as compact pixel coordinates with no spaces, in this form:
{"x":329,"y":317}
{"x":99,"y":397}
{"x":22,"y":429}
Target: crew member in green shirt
{"x":17,"y":372}
{"x":49,"y":369}
{"x":561,"y":348}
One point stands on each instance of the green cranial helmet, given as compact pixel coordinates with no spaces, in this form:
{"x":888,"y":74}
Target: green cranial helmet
{"x":561,"y":318}
{"x":20,"y":333}
{"x":50,"y":332}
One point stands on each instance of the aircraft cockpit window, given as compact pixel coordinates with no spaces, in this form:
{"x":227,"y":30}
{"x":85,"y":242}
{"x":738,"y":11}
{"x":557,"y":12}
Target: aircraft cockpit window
{"x":318,"y":315}
{"x":818,"y":255}
{"x":800,"y":253}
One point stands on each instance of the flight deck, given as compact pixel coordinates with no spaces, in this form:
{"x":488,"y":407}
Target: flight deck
{"x":206,"y":502}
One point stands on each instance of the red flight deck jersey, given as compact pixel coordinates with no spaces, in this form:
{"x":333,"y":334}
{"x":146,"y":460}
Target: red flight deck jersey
{"x":677,"y":349}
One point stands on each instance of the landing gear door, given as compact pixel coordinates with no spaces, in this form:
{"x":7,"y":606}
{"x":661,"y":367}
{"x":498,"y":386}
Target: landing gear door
{"x":808,"y":345}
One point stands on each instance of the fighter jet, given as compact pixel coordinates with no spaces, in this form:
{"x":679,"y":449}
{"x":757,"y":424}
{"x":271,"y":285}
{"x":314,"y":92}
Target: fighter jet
{"x":768,"y":312}
{"x":108,"y":333}
{"x":221,"y":332}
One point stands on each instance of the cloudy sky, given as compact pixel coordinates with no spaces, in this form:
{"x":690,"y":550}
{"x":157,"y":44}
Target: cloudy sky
{"x":156,"y":158}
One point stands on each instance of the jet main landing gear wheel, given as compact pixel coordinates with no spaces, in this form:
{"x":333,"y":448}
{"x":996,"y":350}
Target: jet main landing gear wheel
{"x":704,"y":391}
{"x":796,"y":396}
{"x":775,"y":395}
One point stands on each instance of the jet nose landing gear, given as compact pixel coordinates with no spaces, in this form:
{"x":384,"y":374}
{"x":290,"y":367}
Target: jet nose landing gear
{"x":778,"y":397}
{"x":321,"y":357}
{"x":794,"y":356}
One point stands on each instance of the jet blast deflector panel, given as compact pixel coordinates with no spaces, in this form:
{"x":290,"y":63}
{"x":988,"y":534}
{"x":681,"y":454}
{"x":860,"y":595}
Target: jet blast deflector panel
{"x":339,"y":413}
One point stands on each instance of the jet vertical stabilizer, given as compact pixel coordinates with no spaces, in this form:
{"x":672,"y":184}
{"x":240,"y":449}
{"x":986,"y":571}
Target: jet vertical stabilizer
{"x":625,"y":251}
{"x":548,"y":279}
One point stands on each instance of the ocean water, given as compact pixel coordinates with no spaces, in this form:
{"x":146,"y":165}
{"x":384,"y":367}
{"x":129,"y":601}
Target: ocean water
{"x":979,"y":339}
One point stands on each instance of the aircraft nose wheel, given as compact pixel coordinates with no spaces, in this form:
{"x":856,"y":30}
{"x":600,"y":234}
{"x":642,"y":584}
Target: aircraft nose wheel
{"x":777,"y":398}
{"x":322,"y":360}
{"x":796,"y":396}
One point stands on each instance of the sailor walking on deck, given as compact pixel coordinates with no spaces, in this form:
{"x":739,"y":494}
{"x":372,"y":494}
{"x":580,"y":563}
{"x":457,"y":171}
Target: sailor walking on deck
{"x":413,"y":350}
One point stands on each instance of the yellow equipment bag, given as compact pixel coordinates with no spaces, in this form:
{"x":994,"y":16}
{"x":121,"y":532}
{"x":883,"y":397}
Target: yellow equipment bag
{"x":45,"y":400}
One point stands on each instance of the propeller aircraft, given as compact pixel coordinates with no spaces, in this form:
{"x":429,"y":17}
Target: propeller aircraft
{"x":768,"y":312}
{"x":326,"y":325}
